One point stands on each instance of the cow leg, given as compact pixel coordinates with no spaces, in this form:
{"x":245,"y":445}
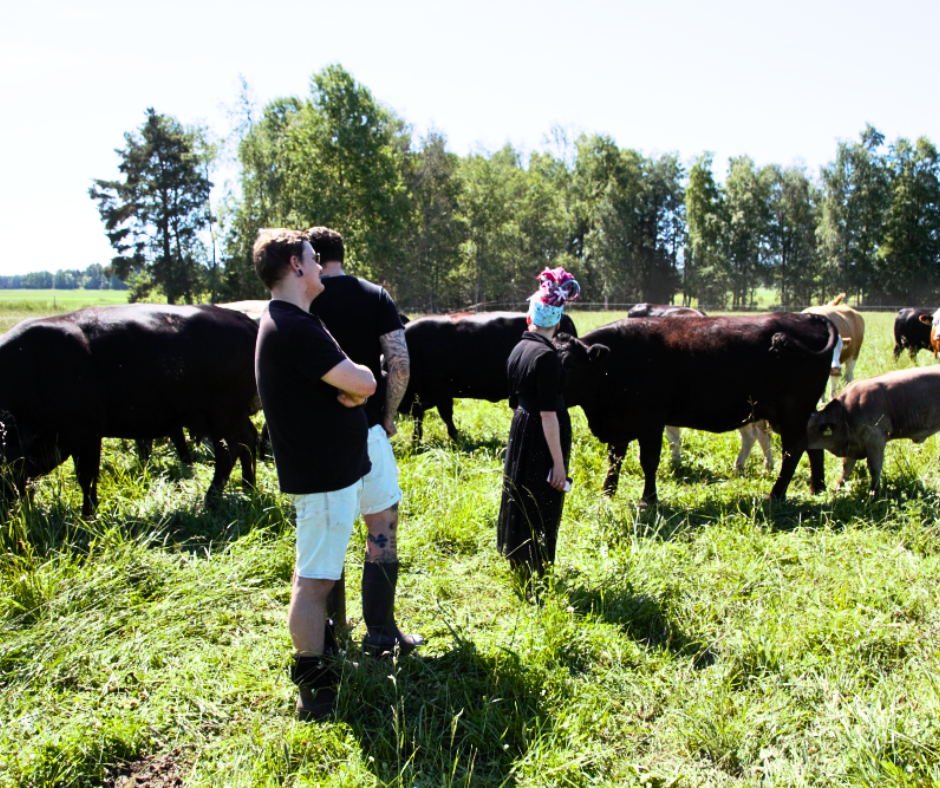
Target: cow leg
{"x":264,"y":443}
{"x":651,"y":446}
{"x":615,"y":455}
{"x":247,"y":443}
{"x":848,"y":465}
{"x":748,"y":438}
{"x":87,"y":459}
{"x":674,"y":437}
{"x":817,"y":470}
{"x":418,"y":415}
{"x":850,"y":370}
{"x":179,"y":443}
{"x":793,"y":444}
{"x":766,"y":441}
{"x":875,"y":456}
{"x":144,"y":448}
{"x":226,"y":452}
{"x":445,"y":407}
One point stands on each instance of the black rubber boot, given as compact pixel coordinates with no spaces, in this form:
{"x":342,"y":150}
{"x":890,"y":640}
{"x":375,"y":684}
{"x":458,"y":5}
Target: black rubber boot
{"x":317,"y":680}
{"x":378,"y":611}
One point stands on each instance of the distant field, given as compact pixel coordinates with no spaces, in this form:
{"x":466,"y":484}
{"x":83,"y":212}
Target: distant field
{"x":17,"y":305}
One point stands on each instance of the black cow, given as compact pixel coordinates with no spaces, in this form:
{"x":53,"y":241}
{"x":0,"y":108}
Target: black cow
{"x":139,"y":371}
{"x":910,"y":332}
{"x":460,"y":355}
{"x":633,"y":377}
{"x":663,"y":310}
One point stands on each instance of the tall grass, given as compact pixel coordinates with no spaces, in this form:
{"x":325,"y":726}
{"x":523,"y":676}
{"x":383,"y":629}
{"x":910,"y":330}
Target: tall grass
{"x":718,"y":639}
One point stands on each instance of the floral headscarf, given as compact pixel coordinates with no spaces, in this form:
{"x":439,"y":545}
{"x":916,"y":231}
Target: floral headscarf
{"x":556,"y":288}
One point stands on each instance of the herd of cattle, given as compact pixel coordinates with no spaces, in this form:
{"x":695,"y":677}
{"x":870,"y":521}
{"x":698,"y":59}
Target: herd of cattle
{"x":144,"y":372}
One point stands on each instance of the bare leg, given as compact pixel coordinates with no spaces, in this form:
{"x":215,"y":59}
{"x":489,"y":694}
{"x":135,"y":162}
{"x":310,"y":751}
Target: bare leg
{"x":674,"y":437}
{"x":307,"y":616}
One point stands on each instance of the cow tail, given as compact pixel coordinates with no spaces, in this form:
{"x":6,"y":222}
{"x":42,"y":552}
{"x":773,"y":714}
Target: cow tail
{"x":781,"y":342}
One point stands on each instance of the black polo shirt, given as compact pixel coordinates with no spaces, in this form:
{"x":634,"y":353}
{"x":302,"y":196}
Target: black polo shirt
{"x":319,"y":445}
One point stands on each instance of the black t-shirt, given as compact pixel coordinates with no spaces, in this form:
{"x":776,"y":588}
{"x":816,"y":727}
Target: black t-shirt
{"x":319,"y":445}
{"x":537,"y":378}
{"x":357,"y":313}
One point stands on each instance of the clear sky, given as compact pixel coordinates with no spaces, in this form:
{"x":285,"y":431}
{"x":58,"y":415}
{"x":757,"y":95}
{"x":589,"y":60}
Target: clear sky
{"x":781,"y":82}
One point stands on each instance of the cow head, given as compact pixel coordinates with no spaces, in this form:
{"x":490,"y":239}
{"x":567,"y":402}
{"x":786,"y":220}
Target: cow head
{"x":829,"y":429}
{"x":586,"y":366}
{"x":934,"y":322}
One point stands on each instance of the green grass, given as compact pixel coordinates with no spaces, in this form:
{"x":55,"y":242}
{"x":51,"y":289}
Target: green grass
{"x":717,"y":640}
{"x":17,"y":305}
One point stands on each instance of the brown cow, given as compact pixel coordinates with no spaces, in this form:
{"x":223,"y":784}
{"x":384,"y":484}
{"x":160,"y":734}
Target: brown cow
{"x":851,"y":327}
{"x":933,"y":321}
{"x":862,"y":419}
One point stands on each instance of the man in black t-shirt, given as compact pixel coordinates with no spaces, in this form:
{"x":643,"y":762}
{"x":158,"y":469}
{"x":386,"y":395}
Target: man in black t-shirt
{"x":365,"y":321}
{"x":312,"y":396}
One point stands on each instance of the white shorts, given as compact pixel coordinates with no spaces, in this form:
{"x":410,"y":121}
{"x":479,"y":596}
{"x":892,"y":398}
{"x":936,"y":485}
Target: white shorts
{"x":380,"y":488}
{"x":324,"y":525}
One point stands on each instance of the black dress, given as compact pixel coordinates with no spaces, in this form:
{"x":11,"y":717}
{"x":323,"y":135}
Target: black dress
{"x":530,"y":509}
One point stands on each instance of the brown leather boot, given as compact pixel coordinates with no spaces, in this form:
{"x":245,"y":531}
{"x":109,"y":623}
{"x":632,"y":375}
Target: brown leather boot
{"x":317,"y":680}
{"x":379,"y":582}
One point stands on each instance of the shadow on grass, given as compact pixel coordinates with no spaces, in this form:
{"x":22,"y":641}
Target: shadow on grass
{"x":461,"y":718}
{"x":644,"y":618}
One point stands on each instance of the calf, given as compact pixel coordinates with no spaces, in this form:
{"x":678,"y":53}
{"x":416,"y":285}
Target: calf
{"x":851,"y":327}
{"x":862,"y":419}
{"x":910,"y":332}
{"x":140,"y":371}
{"x":630,"y":378}
{"x":462,"y":355}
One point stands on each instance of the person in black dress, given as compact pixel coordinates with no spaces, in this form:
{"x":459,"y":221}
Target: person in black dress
{"x":539,"y":446}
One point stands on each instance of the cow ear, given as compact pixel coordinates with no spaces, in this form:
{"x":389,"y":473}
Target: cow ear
{"x":926,"y":319}
{"x":597,"y":352}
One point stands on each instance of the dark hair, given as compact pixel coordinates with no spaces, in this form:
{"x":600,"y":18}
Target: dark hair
{"x":272,"y":253}
{"x":328,"y":243}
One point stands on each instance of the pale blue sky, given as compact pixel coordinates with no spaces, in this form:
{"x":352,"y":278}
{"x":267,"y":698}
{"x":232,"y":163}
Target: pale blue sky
{"x":781,"y":82}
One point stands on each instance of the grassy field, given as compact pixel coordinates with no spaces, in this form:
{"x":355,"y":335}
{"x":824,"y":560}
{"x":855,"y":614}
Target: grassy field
{"x":17,"y":305}
{"x":716,"y":640}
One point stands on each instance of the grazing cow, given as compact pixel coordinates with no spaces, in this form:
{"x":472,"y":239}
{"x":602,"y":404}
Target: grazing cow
{"x":910,"y":332}
{"x":934,"y":322}
{"x":758,"y":432}
{"x":851,"y":327}
{"x":632,"y":379}
{"x":140,"y":371}
{"x":663,"y":310}
{"x":862,"y":419}
{"x":461,"y":355}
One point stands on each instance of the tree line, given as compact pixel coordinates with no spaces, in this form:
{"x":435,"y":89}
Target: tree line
{"x":444,"y":231}
{"x":94,"y":277}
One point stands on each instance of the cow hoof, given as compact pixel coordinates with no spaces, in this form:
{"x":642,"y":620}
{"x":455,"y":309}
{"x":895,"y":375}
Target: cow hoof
{"x":835,"y":373}
{"x":648,"y":503}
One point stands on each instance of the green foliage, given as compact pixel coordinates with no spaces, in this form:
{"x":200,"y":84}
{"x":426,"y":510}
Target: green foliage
{"x":154,"y":215}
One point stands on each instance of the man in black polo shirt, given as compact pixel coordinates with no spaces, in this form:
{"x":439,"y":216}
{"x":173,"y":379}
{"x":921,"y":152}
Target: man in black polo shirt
{"x":312,"y":396}
{"x":365,"y":321}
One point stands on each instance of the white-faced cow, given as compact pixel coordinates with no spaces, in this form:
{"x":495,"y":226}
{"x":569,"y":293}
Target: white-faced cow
{"x":910,"y":332}
{"x":632,"y":379}
{"x":139,"y":371}
{"x":859,"y":422}
{"x":934,"y":322}
{"x":851,"y":327}
{"x":460,"y":356}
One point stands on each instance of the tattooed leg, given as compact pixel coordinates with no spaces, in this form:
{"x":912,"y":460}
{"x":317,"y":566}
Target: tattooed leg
{"x":382,"y":542}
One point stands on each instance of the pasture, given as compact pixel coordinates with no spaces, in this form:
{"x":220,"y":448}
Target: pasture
{"x":715,"y":640}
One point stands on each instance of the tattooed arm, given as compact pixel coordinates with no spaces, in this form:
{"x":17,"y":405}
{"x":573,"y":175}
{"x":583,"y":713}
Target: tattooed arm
{"x":395,"y":350}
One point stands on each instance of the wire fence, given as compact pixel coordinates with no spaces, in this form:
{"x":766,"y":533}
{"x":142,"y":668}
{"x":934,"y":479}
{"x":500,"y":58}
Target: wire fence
{"x":604,"y":306}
